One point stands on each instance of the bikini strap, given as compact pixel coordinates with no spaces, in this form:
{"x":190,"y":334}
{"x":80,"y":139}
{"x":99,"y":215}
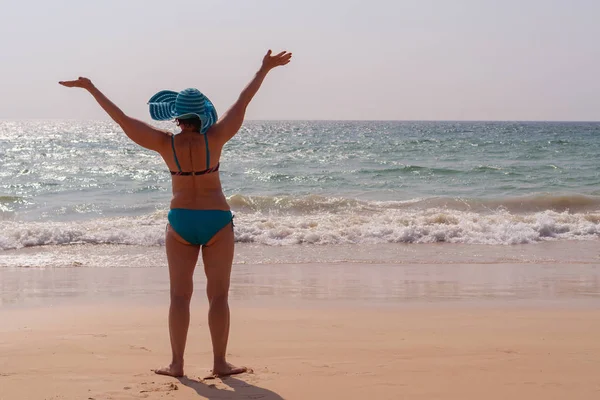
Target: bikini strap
{"x":207,"y":152}
{"x":174,"y":153}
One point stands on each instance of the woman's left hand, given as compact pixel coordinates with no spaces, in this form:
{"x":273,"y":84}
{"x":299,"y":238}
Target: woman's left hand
{"x":272,"y":61}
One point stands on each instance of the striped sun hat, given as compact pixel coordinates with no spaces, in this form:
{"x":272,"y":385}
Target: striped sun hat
{"x":166,"y":105}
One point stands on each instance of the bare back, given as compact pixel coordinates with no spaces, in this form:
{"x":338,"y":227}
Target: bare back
{"x":194,"y":192}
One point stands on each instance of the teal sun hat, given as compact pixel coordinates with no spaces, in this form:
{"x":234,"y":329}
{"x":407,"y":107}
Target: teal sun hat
{"x":166,"y":105}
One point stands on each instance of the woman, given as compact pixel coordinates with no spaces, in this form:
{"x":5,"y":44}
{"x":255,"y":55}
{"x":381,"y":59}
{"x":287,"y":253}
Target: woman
{"x":199,"y":218}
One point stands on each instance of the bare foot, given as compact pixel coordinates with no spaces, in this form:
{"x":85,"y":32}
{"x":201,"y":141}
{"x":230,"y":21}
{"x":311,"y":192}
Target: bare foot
{"x":227,"y":369}
{"x":172,"y":370}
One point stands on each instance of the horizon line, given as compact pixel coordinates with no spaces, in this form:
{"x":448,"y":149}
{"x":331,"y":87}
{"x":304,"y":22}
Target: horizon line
{"x":329,"y":120}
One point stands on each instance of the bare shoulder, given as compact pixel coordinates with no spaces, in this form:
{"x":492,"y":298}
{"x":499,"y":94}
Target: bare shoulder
{"x":227,"y":126}
{"x":164,"y":140}
{"x":217,"y":133}
{"x":146,"y":135}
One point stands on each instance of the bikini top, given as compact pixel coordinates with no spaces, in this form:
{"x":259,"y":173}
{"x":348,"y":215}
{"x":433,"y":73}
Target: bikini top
{"x":208,"y":169}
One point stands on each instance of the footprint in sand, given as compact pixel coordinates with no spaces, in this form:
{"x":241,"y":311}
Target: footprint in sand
{"x":140,"y":348}
{"x":166,"y":387}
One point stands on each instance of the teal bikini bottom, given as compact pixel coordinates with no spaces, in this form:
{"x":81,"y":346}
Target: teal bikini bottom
{"x":198,"y":226}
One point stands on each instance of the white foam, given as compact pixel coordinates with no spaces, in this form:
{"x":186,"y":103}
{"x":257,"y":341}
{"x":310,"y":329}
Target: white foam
{"x":352,"y":225}
{"x":143,"y":231}
{"x":415,"y":226}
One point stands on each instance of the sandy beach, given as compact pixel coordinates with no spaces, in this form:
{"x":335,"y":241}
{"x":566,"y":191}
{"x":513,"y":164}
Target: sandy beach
{"x":100,"y":352}
{"x":514,"y":322}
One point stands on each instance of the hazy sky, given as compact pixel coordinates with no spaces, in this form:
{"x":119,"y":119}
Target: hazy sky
{"x":376,"y":59}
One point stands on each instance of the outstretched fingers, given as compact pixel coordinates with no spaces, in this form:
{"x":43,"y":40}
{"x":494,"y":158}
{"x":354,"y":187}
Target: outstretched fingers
{"x":285,"y":58}
{"x":282,"y":58}
{"x":81,"y":82}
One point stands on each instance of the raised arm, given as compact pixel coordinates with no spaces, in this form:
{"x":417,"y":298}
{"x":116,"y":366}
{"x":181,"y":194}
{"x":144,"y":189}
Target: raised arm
{"x":141,"y":133}
{"x":232,"y":120}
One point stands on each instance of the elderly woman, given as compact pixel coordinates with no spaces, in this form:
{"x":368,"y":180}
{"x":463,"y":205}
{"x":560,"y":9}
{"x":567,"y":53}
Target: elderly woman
{"x":199,"y":218}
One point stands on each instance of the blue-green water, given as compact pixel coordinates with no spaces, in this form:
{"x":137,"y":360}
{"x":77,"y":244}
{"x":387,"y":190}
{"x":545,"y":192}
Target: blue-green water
{"x":312,"y":182}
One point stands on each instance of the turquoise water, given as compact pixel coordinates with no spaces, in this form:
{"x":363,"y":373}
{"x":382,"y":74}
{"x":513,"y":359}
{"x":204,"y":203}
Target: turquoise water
{"x":312,"y":182}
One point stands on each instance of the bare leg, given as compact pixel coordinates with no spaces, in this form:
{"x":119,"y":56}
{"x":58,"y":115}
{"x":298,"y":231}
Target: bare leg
{"x":218,"y":257}
{"x":182,"y":259}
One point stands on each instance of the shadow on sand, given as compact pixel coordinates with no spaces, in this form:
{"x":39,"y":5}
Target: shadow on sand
{"x":239,"y":389}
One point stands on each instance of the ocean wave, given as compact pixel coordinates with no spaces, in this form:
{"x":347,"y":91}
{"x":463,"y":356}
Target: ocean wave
{"x":487,"y":168}
{"x":412,"y":226}
{"x":143,"y":231}
{"x":10,"y":199}
{"x":321,"y":221}
{"x":517,"y":205}
{"x":298,"y":205}
{"x":411,"y":169}
{"x":573,"y":203}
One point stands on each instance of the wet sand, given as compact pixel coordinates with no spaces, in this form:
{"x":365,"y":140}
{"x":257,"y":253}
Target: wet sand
{"x":357,"y":284}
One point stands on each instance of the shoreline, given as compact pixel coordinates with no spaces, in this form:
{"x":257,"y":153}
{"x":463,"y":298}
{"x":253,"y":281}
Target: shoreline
{"x":383,"y":275}
{"x":331,"y":284}
{"x":122,"y":255}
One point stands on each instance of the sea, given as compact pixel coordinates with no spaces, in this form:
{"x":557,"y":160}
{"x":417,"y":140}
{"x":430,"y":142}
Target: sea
{"x":311,"y":184}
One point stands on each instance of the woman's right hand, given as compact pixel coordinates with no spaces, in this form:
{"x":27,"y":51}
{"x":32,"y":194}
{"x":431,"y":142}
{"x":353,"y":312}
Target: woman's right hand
{"x":82,"y":82}
{"x":269,"y":61}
